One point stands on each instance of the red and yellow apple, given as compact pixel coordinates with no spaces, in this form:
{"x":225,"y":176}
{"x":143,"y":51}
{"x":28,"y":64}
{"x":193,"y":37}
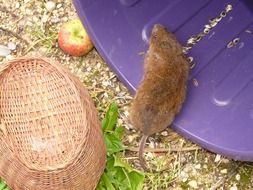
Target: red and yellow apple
{"x":73,"y":38}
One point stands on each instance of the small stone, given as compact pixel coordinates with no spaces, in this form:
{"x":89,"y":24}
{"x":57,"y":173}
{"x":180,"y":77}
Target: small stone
{"x":35,"y":19}
{"x":225,"y":160}
{"x":50,"y":6}
{"x":28,"y":12}
{"x":17,"y":5}
{"x":98,"y":65}
{"x":105,"y":83}
{"x":217,"y":158}
{"x":238,"y":177}
{"x":44,"y":18}
{"x":193,"y":184}
{"x":184,"y":179}
{"x":9,"y":57}
{"x":58,"y":5}
{"x":224,"y":171}
{"x":65,"y":19}
{"x":131,"y":138}
{"x":4,"y":51}
{"x":233,"y":188}
{"x":55,"y":20}
{"x":164,"y":133}
{"x":184,"y":176}
{"x":151,"y":144}
{"x":117,"y":89}
{"x":11,"y":46}
{"x":198,"y":166}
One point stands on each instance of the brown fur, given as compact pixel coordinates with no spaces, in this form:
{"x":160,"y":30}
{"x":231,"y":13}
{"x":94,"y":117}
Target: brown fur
{"x":162,"y":91}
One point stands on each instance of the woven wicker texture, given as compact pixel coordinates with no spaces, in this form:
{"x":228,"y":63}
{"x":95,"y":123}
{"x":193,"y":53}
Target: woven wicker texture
{"x":50,"y":134}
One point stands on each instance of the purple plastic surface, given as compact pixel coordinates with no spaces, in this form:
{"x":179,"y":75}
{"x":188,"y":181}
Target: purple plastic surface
{"x":218,"y":113}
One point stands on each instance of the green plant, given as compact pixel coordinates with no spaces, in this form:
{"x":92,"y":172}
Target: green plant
{"x":3,"y":185}
{"x":118,"y":174}
{"x":41,"y":38}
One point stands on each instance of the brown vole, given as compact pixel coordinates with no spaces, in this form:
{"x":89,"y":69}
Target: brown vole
{"x":162,"y":91}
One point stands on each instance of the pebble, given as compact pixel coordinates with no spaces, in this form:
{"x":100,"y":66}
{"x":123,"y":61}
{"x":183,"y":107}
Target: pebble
{"x":65,"y":19}
{"x":58,"y":5}
{"x":4,"y":51}
{"x":193,"y":184}
{"x":224,"y":171}
{"x":184,"y":176}
{"x":55,"y":20}
{"x":198,"y":166}
{"x":164,"y":133}
{"x":217,"y":158}
{"x":117,"y":89}
{"x":98,"y":65}
{"x":17,"y":5}
{"x":44,"y":18}
{"x":131,"y":138}
{"x":105,"y":83}
{"x":9,"y":57}
{"x":11,"y":46}
{"x":50,"y":6}
{"x":238,"y":177}
{"x":233,"y":188}
{"x":225,"y":160}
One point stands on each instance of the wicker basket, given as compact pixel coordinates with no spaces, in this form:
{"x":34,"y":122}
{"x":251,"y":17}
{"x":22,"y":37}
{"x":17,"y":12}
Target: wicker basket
{"x":49,"y":128}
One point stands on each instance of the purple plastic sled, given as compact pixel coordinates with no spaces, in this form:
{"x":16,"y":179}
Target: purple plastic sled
{"x":218,"y":113}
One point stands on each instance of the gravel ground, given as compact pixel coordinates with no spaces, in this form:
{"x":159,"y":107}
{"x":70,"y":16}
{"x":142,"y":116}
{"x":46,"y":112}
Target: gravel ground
{"x":36,"y":24}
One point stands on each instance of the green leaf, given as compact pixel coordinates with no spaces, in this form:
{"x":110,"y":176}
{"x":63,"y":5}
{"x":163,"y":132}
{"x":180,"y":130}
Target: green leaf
{"x":118,"y":175}
{"x":2,"y":184}
{"x":113,"y":143}
{"x":136,"y":179}
{"x":111,"y":118}
{"x":107,"y":182}
{"x":120,"y":163}
{"x":119,"y":132}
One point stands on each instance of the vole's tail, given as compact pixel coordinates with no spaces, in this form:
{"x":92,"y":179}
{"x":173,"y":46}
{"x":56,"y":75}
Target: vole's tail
{"x":141,"y":152}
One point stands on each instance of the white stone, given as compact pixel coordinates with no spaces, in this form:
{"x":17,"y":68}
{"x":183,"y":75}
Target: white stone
{"x":217,"y":158}
{"x":224,"y":171}
{"x":17,"y":5}
{"x":233,"y":188}
{"x":164,"y":133}
{"x":198,"y":166}
{"x":4,"y":51}
{"x":193,"y":184}
{"x":12,"y":46}
{"x":238,"y":177}
{"x":50,"y":5}
{"x":44,"y":18}
{"x":58,"y":5}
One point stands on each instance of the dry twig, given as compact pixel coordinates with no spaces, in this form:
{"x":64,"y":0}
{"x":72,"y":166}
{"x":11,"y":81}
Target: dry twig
{"x":14,"y":34}
{"x":135,"y":149}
